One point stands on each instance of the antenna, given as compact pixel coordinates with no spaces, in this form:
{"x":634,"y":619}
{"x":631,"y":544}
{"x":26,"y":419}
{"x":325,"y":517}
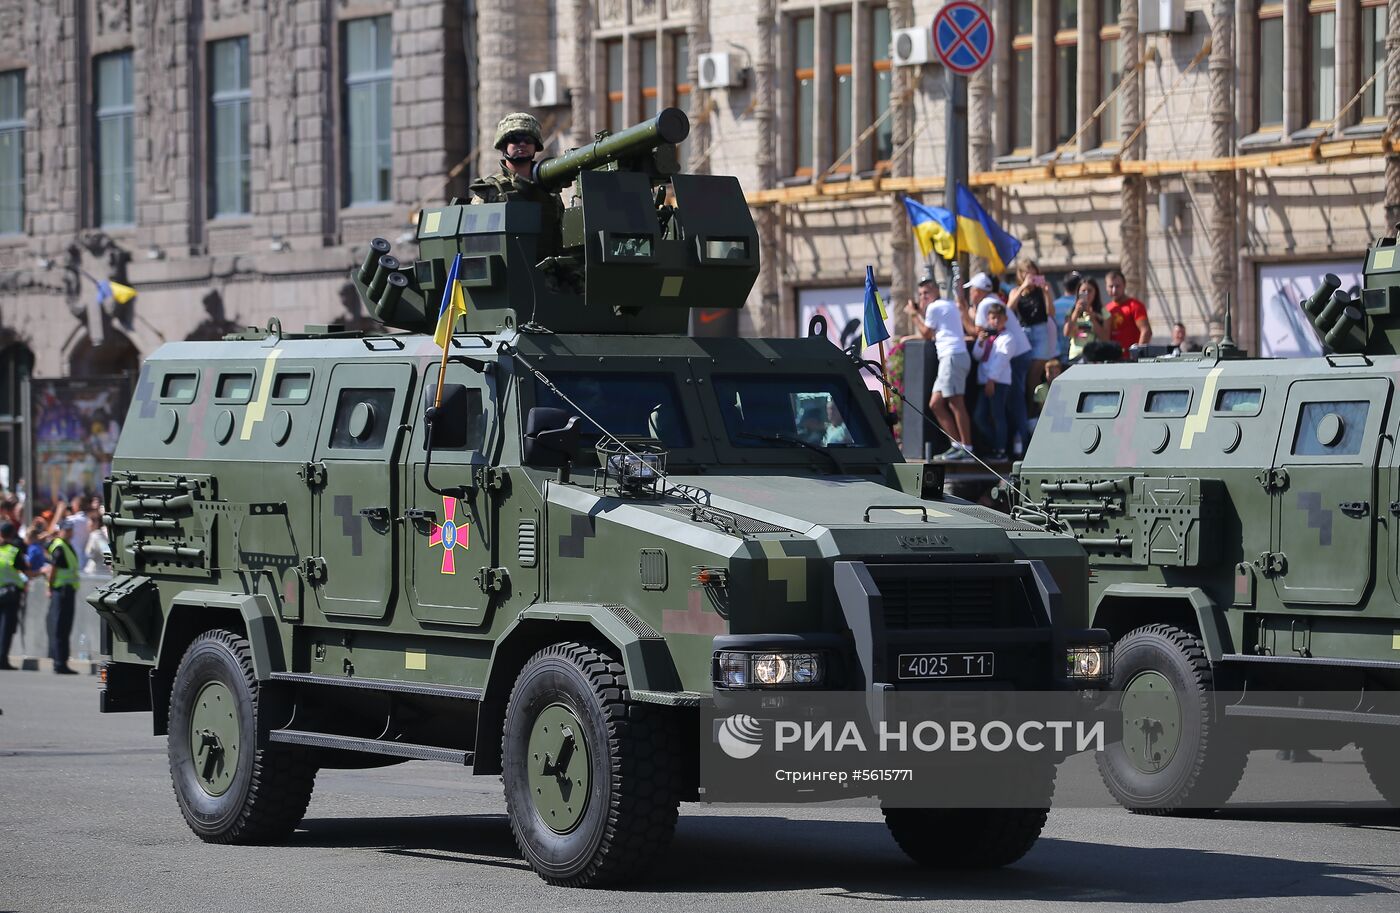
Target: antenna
{"x":1225,"y":347}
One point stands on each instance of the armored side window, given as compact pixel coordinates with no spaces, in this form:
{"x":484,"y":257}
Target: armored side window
{"x":1330,"y":429}
{"x":1168,"y":402}
{"x":292,"y":387}
{"x":361,"y":419}
{"x":1099,"y":403}
{"x":1239,"y":402}
{"x":235,"y":387}
{"x":179,"y":388}
{"x":460,"y":423}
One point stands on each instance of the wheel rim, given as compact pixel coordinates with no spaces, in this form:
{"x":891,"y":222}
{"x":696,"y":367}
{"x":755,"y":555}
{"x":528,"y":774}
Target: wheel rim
{"x":558,"y":768}
{"x":214,"y":738}
{"x":1151,"y":721}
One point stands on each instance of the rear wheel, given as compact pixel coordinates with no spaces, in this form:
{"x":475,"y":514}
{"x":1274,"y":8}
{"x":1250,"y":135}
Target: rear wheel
{"x":965,"y":838}
{"x":1174,"y":754}
{"x":229,"y":790}
{"x":591,"y":779}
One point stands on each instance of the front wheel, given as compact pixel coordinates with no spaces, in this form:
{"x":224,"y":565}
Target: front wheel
{"x":591,"y":779}
{"x":229,"y":790}
{"x":1175,"y":754}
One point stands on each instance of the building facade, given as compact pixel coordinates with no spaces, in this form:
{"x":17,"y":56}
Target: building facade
{"x":229,"y":159}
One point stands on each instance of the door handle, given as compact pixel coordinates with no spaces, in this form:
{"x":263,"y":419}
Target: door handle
{"x":1355,"y":508}
{"x":416,"y":515}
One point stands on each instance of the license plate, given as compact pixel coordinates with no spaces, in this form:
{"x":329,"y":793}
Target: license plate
{"x":946,"y":665}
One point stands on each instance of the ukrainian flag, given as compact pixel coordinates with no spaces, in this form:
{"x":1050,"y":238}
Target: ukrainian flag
{"x":980,"y":236}
{"x":933,"y":229}
{"x":454,"y":305}
{"x":875,"y":315}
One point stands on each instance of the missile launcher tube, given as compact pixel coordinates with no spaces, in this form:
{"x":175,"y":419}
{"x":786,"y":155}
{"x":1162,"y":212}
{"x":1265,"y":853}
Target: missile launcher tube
{"x":669,"y":126}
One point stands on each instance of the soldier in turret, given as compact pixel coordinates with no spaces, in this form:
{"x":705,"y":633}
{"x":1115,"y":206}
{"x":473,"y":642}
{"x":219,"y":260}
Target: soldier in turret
{"x":519,"y":139}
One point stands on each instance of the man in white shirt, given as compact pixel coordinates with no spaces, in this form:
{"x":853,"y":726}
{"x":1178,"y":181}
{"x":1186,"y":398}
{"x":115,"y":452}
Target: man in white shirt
{"x":942,"y":322}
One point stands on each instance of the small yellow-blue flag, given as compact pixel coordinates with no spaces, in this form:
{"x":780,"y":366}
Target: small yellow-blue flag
{"x":454,"y":305}
{"x":933,"y":229}
{"x":981,"y":236}
{"x":875,"y":315}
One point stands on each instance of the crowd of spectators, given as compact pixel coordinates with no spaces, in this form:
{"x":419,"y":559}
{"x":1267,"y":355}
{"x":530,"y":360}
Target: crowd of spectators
{"x":1017,"y":335}
{"x":84,"y":514}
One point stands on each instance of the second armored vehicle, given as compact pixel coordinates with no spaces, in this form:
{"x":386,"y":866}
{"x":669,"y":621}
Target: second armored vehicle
{"x":1241,"y":520}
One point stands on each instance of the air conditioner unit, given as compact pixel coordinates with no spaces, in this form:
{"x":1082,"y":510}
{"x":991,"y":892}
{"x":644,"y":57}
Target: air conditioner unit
{"x":545,"y":90}
{"x":1162,"y":16}
{"x":719,"y":70}
{"x":911,"y":47}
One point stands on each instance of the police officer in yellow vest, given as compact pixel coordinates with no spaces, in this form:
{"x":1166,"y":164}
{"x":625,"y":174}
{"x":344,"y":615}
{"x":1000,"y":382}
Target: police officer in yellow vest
{"x":63,"y":594}
{"x":14,"y":575}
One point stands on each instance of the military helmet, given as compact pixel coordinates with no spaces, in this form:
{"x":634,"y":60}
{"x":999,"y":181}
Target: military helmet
{"x":519,"y":122}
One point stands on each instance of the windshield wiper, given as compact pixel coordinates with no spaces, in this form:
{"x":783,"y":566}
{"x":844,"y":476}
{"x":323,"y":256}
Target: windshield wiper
{"x":796,"y":441}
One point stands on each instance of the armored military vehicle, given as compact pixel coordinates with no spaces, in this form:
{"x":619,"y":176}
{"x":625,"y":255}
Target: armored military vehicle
{"x":542,"y":554}
{"x":1240,"y":518}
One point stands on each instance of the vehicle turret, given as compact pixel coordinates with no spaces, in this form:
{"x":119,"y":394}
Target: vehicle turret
{"x":638,"y":247}
{"x":1369,"y":322}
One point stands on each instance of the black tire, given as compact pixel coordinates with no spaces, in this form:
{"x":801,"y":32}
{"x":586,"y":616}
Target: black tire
{"x":1383,"y":766}
{"x":1208,"y":762}
{"x":633,"y":761}
{"x":965,"y":838}
{"x":270,"y":787}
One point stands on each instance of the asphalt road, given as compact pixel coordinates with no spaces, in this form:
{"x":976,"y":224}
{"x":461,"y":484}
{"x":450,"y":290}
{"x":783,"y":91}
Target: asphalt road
{"x":88,"y":822}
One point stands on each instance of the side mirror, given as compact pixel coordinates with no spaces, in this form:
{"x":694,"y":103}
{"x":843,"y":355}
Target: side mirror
{"x":454,"y":417}
{"x":551,"y":437}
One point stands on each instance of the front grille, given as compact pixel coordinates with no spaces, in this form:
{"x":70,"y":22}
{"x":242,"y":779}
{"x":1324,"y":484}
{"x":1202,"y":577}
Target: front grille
{"x":918,"y":597}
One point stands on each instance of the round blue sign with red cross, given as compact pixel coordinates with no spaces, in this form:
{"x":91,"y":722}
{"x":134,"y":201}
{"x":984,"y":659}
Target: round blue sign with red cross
{"x":962,"y":35}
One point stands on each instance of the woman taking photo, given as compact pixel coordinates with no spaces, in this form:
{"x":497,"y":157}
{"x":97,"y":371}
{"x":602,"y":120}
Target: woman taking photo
{"x":1087,"y":325}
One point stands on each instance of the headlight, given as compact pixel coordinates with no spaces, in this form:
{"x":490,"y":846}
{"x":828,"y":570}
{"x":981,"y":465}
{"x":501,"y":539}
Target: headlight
{"x":769,"y":670}
{"x":1087,"y":662}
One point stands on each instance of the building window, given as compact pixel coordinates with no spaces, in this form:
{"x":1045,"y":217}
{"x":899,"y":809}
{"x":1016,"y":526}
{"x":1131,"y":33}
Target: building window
{"x":116,"y":174}
{"x":12,"y":152}
{"x":1269,"y":113}
{"x":841,"y":80}
{"x":881,"y":83}
{"x":368,"y":47}
{"x":1322,"y":62}
{"x":804,"y":87}
{"x":1022,"y":76}
{"x":680,"y":80}
{"x":1066,"y":120}
{"x":1374,"y":23}
{"x":612,"y":51}
{"x":228,"y":127}
{"x":1110,"y":70}
{"x":650,"y":96}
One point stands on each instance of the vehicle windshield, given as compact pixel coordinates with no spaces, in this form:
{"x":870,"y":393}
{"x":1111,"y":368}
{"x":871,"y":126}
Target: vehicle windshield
{"x":628,"y":404}
{"x":816,"y":411}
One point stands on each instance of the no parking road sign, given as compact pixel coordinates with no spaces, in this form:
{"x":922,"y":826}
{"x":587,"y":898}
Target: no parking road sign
{"x":962,"y":35}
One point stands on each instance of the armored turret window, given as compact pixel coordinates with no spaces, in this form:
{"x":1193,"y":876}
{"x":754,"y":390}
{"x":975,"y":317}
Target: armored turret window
{"x":292,"y":387}
{"x":229,"y":98}
{"x":12,"y":152}
{"x":361,"y":419}
{"x":236,"y":388}
{"x":116,"y":173}
{"x":1099,"y":403}
{"x":1375,"y":20}
{"x":1330,"y":429}
{"x":1168,"y":402}
{"x":179,"y":388}
{"x":368,"y":58}
{"x":1239,"y":402}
